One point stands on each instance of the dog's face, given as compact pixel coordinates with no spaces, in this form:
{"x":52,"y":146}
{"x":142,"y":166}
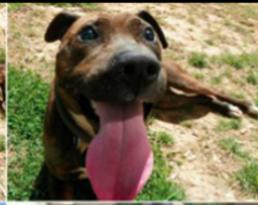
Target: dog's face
{"x":115,"y":58}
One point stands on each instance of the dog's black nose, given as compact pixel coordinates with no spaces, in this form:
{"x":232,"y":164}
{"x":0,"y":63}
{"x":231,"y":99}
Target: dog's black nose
{"x":138,"y":69}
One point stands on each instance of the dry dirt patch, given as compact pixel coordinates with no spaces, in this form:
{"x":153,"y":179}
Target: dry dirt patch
{"x":2,"y":25}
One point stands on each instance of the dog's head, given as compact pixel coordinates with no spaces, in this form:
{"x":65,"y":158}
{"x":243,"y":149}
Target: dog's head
{"x":115,"y":58}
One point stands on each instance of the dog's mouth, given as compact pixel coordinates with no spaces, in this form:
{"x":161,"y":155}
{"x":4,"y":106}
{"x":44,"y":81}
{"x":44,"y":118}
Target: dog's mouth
{"x":119,"y":159}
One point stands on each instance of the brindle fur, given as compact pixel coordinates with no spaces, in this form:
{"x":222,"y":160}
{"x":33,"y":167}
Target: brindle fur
{"x":63,"y":175}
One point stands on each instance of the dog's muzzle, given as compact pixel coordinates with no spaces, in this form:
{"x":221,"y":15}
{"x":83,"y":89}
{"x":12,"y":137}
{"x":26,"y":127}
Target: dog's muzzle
{"x":127,"y":76}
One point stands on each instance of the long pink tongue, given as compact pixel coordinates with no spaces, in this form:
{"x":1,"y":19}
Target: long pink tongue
{"x":119,"y":159}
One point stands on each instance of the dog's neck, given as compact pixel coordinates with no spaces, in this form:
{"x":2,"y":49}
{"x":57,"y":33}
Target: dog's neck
{"x":73,"y":115}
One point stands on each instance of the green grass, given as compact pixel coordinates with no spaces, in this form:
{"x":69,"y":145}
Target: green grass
{"x":159,"y":187}
{"x":17,"y":6}
{"x":256,"y":99}
{"x":238,"y":95}
{"x":228,"y":124}
{"x":250,"y":12}
{"x":2,"y":56}
{"x":187,"y":123}
{"x":238,"y":61}
{"x":248,"y":177}
{"x":252,"y":77}
{"x":162,"y":138}
{"x":198,"y":60}
{"x":210,"y":42}
{"x":233,"y":60}
{"x":230,"y":144}
{"x":2,"y":143}
{"x":82,"y":5}
{"x":199,"y":76}
{"x":26,"y":107}
{"x":216,"y":80}
{"x":27,"y":104}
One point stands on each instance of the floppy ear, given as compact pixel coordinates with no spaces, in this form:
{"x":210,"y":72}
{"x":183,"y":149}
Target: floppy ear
{"x":150,"y":19}
{"x":59,"y":26}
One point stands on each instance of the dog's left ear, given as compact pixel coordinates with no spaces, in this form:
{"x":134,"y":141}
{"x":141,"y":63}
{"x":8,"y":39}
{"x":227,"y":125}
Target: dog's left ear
{"x":151,"y":20}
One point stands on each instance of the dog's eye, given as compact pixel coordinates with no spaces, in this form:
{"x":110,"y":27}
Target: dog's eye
{"x":89,"y":33}
{"x":149,"y":34}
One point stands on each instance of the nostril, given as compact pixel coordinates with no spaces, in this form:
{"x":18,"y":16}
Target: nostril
{"x":129,"y":70}
{"x":152,"y":70}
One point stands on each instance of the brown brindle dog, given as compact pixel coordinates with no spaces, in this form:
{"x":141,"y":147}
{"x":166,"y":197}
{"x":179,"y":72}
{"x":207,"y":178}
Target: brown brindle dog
{"x":109,"y":76}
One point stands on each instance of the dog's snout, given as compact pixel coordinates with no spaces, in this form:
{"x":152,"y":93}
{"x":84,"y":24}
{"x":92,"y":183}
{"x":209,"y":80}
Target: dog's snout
{"x":137,"y":68}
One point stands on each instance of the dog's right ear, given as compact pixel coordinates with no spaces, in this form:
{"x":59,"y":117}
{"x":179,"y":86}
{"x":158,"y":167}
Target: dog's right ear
{"x":146,"y":16}
{"x":59,"y":25}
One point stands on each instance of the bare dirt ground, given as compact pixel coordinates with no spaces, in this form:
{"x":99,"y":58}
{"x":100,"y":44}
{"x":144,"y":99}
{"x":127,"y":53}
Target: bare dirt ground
{"x":200,"y":165}
{"x":2,"y":118}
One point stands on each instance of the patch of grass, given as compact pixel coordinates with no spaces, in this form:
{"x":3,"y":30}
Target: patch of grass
{"x":248,"y":177}
{"x":227,"y":22}
{"x":230,"y":144}
{"x":228,"y":124}
{"x":250,"y":59}
{"x":250,"y":12}
{"x":199,"y":76}
{"x":216,"y":80}
{"x":150,"y":119}
{"x":15,"y":6}
{"x":233,"y":60}
{"x":162,"y":138}
{"x":198,"y":60}
{"x":239,"y":95}
{"x":210,"y":42}
{"x":242,"y":12}
{"x":252,"y":77}
{"x":2,"y":143}
{"x":26,"y":108}
{"x":159,"y":187}
{"x":228,"y":72}
{"x":187,"y":124}
{"x":256,"y":100}
{"x":2,"y":56}
{"x":238,"y":61}
{"x":82,"y":5}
